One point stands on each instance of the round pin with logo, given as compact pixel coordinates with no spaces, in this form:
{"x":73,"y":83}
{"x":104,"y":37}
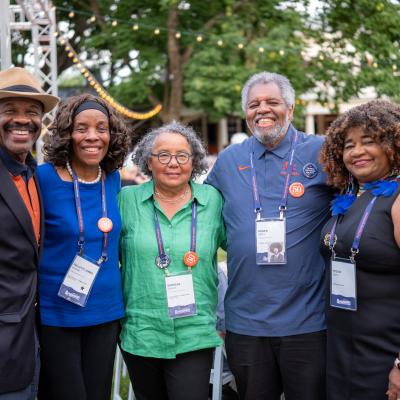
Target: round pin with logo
{"x":105,"y":224}
{"x":310,"y":170}
{"x":296,"y":189}
{"x":163,"y":261}
{"x":190,"y":259}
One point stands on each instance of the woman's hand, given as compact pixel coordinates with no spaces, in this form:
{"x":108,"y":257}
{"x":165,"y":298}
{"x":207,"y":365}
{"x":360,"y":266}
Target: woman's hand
{"x":393,"y":392}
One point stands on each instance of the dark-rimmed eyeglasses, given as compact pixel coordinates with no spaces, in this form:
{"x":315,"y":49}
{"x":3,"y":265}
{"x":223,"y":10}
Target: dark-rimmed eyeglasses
{"x":165,"y":158}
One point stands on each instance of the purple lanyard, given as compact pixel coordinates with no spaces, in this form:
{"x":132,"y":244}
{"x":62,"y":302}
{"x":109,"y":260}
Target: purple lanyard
{"x":81,"y":241}
{"x":284,"y":199}
{"x":357,"y":237}
{"x":160,"y":245}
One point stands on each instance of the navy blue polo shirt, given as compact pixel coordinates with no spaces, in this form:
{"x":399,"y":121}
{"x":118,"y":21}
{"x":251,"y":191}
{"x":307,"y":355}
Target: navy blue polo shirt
{"x":274,"y":300}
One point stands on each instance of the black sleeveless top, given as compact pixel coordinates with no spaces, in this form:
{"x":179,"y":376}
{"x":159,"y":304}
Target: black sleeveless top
{"x":362,"y":344}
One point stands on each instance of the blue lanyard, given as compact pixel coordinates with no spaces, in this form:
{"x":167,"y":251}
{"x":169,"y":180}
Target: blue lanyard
{"x":284,"y":199}
{"x":193,"y":233}
{"x":357,"y":237}
{"x":193,"y":227}
{"x":81,"y":241}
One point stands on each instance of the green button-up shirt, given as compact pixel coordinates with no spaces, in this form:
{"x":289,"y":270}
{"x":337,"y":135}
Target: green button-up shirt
{"x":147,"y":330}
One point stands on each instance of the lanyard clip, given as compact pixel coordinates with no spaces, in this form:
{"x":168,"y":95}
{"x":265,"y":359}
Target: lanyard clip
{"x":282,"y":210}
{"x":258,"y":214}
{"x":102,"y":260}
{"x":354,"y":252}
{"x":80,"y":246}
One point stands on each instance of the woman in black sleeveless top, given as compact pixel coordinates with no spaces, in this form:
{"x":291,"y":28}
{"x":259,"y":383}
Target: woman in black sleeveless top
{"x":361,"y":245}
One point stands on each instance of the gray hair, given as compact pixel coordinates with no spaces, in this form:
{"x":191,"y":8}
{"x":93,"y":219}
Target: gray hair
{"x":144,"y":148}
{"x":281,"y":81}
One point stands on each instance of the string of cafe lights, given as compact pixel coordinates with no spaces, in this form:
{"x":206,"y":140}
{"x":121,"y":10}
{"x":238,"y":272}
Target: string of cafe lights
{"x":200,"y":37}
{"x":136,"y":25}
{"x":101,"y":91}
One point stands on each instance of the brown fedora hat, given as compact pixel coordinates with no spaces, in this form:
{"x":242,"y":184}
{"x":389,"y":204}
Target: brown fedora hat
{"x":19,"y":82}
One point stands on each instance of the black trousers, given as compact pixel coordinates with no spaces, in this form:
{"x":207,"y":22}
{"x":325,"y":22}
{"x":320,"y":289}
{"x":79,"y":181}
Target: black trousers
{"x":185,"y":377}
{"x":266,"y":367}
{"x":77,"y":363}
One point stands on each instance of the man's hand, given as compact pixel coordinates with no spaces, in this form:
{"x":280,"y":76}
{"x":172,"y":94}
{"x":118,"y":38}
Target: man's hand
{"x":393,"y":392}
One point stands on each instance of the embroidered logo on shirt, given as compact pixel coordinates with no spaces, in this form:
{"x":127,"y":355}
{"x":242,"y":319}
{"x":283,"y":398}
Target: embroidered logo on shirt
{"x":285,"y":167}
{"x":243,"y":167}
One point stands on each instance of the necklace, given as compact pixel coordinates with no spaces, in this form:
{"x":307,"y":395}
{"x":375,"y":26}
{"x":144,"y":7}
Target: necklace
{"x":171,"y":201}
{"x":69,"y":169}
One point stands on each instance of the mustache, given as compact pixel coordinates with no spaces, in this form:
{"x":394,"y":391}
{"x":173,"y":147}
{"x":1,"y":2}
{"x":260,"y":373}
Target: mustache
{"x":31,"y":127}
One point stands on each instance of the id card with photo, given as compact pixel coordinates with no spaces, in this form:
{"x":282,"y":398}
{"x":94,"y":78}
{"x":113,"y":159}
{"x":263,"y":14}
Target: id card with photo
{"x":79,"y":280}
{"x":180,"y":295}
{"x":343,"y":284}
{"x":270,"y":241}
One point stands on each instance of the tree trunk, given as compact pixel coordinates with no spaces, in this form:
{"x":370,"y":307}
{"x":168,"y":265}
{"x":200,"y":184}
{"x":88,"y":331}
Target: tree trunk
{"x":174,"y":74}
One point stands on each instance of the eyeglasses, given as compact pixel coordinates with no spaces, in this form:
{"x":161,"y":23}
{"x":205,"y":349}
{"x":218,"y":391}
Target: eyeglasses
{"x":165,"y":158}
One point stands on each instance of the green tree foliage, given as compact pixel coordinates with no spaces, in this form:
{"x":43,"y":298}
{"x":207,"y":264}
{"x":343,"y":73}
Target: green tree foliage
{"x":365,"y":36}
{"x":183,"y":73}
{"x":346,"y":46}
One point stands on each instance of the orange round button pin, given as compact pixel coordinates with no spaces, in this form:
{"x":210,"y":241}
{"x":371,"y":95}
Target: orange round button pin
{"x":105,"y":224}
{"x":296,"y":189}
{"x":190,"y":259}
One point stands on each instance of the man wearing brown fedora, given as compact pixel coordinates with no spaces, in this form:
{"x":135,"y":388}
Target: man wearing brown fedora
{"x":22,"y":106}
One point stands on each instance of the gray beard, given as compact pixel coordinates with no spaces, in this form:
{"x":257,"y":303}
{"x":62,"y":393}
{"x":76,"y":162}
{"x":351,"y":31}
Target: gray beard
{"x":273,"y":135}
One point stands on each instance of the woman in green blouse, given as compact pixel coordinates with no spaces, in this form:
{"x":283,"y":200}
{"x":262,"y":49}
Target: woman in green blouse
{"x":171,"y":230}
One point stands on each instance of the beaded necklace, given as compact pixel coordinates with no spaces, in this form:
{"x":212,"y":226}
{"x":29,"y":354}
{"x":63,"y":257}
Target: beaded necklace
{"x":69,"y":169}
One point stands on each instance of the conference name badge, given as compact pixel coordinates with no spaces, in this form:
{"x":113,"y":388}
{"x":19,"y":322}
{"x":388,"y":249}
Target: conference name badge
{"x":180,"y":295}
{"x":343,"y":284}
{"x":270,"y":241}
{"x":79,"y":280}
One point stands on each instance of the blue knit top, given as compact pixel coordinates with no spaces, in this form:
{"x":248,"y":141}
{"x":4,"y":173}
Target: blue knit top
{"x":60,"y":246}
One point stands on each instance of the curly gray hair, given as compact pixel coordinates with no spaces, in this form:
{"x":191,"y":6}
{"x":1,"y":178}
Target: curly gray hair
{"x":281,"y":81}
{"x":144,"y":148}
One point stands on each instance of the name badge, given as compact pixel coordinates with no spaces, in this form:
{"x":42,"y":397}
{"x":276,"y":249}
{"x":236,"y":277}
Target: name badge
{"x":270,"y":241}
{"x":79,"y":280}
{"x":180,"y":295}
{"x":343,"y":284}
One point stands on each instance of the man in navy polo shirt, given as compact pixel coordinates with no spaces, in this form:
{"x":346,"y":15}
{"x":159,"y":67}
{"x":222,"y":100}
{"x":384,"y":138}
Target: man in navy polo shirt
{"x":275,"y":196}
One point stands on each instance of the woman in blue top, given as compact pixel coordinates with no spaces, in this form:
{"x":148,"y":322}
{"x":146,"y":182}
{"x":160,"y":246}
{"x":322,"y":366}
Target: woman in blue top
{"x":80,"y":286}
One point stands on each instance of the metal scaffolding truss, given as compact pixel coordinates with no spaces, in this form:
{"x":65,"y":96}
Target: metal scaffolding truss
{"x":37,"y":16}
{"x":41,"y":15}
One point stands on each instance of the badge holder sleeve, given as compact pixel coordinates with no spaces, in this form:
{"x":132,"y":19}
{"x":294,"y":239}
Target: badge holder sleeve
{"x":270,"y":235}
{"x":80,"y":298}
{"x":344,"y":294}
{"x":175,"y":309}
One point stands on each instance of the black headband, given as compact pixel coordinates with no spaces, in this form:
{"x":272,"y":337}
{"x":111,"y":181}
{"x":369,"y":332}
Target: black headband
{"x":91,"y":105}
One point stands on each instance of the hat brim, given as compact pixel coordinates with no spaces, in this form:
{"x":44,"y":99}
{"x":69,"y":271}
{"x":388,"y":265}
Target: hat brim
{"x":49,"y":101}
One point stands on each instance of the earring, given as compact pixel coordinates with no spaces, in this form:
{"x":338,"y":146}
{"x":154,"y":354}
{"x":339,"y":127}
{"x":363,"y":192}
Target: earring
{"x":351,"y":185}
{"x":395,"y":172}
